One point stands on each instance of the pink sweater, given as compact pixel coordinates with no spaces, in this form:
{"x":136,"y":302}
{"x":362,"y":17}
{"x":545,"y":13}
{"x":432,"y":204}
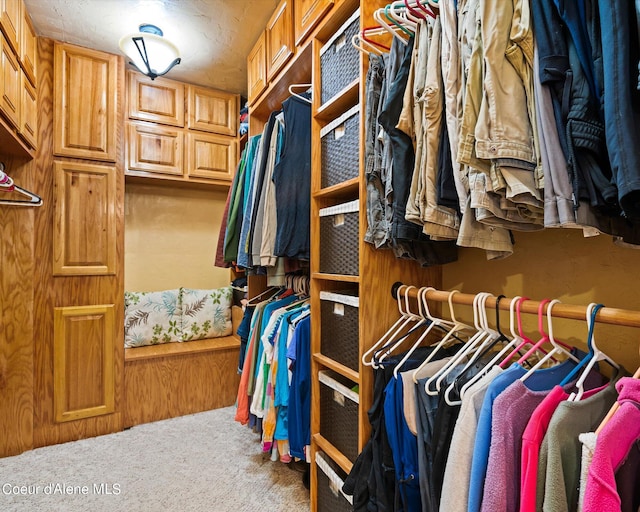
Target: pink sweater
{"x":614,"y":442}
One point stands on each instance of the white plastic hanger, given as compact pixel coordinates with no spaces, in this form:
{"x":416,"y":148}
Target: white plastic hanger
{"x":405,"y":319}
{"x":297,"y":86}
{"x":557,"y":348}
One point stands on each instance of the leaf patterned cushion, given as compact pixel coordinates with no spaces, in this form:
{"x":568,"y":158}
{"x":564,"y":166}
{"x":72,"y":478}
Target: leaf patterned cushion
{"x":151,"y":318}
{"x":206,"y":313}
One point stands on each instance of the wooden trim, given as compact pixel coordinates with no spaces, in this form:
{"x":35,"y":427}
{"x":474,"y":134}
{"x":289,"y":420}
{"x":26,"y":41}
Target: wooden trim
{"x":177,"y":349}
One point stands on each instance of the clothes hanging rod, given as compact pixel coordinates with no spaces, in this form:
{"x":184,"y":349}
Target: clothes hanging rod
{"x":605,"y":315}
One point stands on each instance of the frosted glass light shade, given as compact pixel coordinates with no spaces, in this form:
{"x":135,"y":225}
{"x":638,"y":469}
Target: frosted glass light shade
{"x":149,"y":52}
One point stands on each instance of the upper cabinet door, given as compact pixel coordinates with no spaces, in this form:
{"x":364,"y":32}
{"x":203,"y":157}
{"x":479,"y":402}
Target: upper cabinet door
{"x":10,"y":21}
{"x":213,"y":111}
{"x":307,"y":15}
{"x":10,"y":85}
{"x":86,"y":103}
{"x":160,"y":100}
{"x":279,"y":38}
{"x":28,"y":48}
{"x":257,"y":68}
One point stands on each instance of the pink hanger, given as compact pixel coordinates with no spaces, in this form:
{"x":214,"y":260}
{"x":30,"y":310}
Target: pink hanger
{"x":524,"y":338}
{"x":544,"y":336}
{"x":428,"y":12}
{"x":371,"y":41}
{"x":413,"y":11}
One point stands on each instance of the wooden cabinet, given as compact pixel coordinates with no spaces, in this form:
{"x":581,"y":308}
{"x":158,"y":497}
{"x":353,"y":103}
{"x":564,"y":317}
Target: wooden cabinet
{"x":10,"y":86}
{"x":28,"y":128}
{"x":279,"y":38}
{"x":213,"y":111}
{"x":257,"y":68}
{"x":84,"y":228}
{"x":10,"y":22}
{"x":211,"y":156}
{"x":28,"y":48}
{"x":307,"y":14}
{"x":86,"y":103}
{"x":159,"y":101}
{"x":156,"y":149}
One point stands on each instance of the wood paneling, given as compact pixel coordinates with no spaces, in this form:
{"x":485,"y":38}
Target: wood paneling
{"x":211,"y":156}
{"x":84,"y":220}
{"x":83,"y":368}
{"x":10,"y":21}
{"x":158,"y":149}
{"x":279,"y":40}
{"x":51,"y":292}
{"x":257,"y":68}
{"x":28,"y":48}
{"x":307,"y":14}
{"x":16,"y":318}
{"x":176,"y":385}
{"x":10,"y":85}
{"x":28,"y":128}
{"x":160,"y":100}
{"x":86,"y":100}
{"x":213,"y":111}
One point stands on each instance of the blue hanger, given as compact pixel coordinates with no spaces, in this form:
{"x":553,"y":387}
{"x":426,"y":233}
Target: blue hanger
{"x":589,"y":356}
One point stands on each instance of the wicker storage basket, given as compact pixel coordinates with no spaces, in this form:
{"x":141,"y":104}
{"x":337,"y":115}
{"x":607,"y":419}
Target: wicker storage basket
{"x":339,"y":232}
{"x":339,"y":60}
{"x":340,"y":148}
{"x":330,"y":478}
{"x":339,"y":327}
{"x":339,"y":413}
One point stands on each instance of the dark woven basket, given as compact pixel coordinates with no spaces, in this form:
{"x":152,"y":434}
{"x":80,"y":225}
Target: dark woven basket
{"x":340,"y":156}
{"x":339,"y":419}
{"x":328,"y":499}
{"x":339,"y":63}
{"x":339,"y":251}
{"x":339,"y":333}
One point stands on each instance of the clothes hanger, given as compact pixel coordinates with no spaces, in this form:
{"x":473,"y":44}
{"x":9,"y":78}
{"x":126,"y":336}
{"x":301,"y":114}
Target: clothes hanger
{"x":375,"y":30}
{"x":524,"y":340}
{"x":296,"y":86}
{"x":405,"y":319}
{"x":457,"y":327}
{"x":398,"y":12}
{"x":515,"y":340}
{"x":596,"y":356}
{"x":418,"y":15}
{"x":380,"y":18}
{"x":7,"y":185}
{"x":366,"y":45}
{"x":544,"y":338}
{"x":478,"y":337}
{"x":491,"y":336}
{"x":264,"y":295}
{"x":400,"y":23}
{"x":435,"y":322}
{"x":557,"y":347}
{"x":428,"y":12}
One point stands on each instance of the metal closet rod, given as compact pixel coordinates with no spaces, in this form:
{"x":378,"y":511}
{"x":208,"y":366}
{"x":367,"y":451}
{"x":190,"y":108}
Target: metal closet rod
{"x":605,"y":315}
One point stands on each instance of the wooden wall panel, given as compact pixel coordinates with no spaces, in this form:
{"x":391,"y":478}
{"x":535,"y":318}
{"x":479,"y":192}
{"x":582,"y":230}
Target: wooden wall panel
{"x":86,"y":99}
{"x":84,"y":219}
{"x":51,"y":292}
{"x":160,"y":388}
{"x":16,"y":318}
{"x":83,"y":362}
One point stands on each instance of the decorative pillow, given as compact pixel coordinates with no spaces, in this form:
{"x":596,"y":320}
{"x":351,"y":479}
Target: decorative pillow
{"x":151,"y":318}
{"x":206,"y":313}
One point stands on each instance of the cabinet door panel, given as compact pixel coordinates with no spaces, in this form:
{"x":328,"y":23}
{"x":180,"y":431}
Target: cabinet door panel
{"x":212,"y":156}
{"x":11,"y":95}
{"x":213,"y":111}
{"x":29,"y":113}
{"x":279,"y":39}
{"x":29,"y":49}
{"x":83,"y":368}
{"x":160,"y":100}
{"x":10,"y":19}
{"x":86,"y":103}
{"x":84,"y":236}
{"x":257,"y":68}
{"x":307,"y":14}
{"x":156,"y":149}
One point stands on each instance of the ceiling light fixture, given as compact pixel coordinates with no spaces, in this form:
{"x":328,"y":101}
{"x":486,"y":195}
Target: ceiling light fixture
{"x":150,"y":53}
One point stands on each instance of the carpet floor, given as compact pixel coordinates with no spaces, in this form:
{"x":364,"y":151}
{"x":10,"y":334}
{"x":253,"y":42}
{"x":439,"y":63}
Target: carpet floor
{"x":202,"y":462}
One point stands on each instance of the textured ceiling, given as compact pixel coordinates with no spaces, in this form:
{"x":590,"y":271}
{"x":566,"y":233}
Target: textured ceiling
{"x":214,"y":36}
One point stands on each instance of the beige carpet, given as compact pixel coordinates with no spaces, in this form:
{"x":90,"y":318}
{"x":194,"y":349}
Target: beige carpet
{"x":202,"y":462}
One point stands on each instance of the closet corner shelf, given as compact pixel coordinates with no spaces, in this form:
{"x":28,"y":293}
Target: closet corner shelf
{"x":12,"y":144}
{"x":336,"y":277}
{"x":296,"y":71}
{"x":333,"y":453}
{"x":344,"y":190}
{"x":340,"y":103}
{"x":337,"y":367}
{"x":335,"y":18}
